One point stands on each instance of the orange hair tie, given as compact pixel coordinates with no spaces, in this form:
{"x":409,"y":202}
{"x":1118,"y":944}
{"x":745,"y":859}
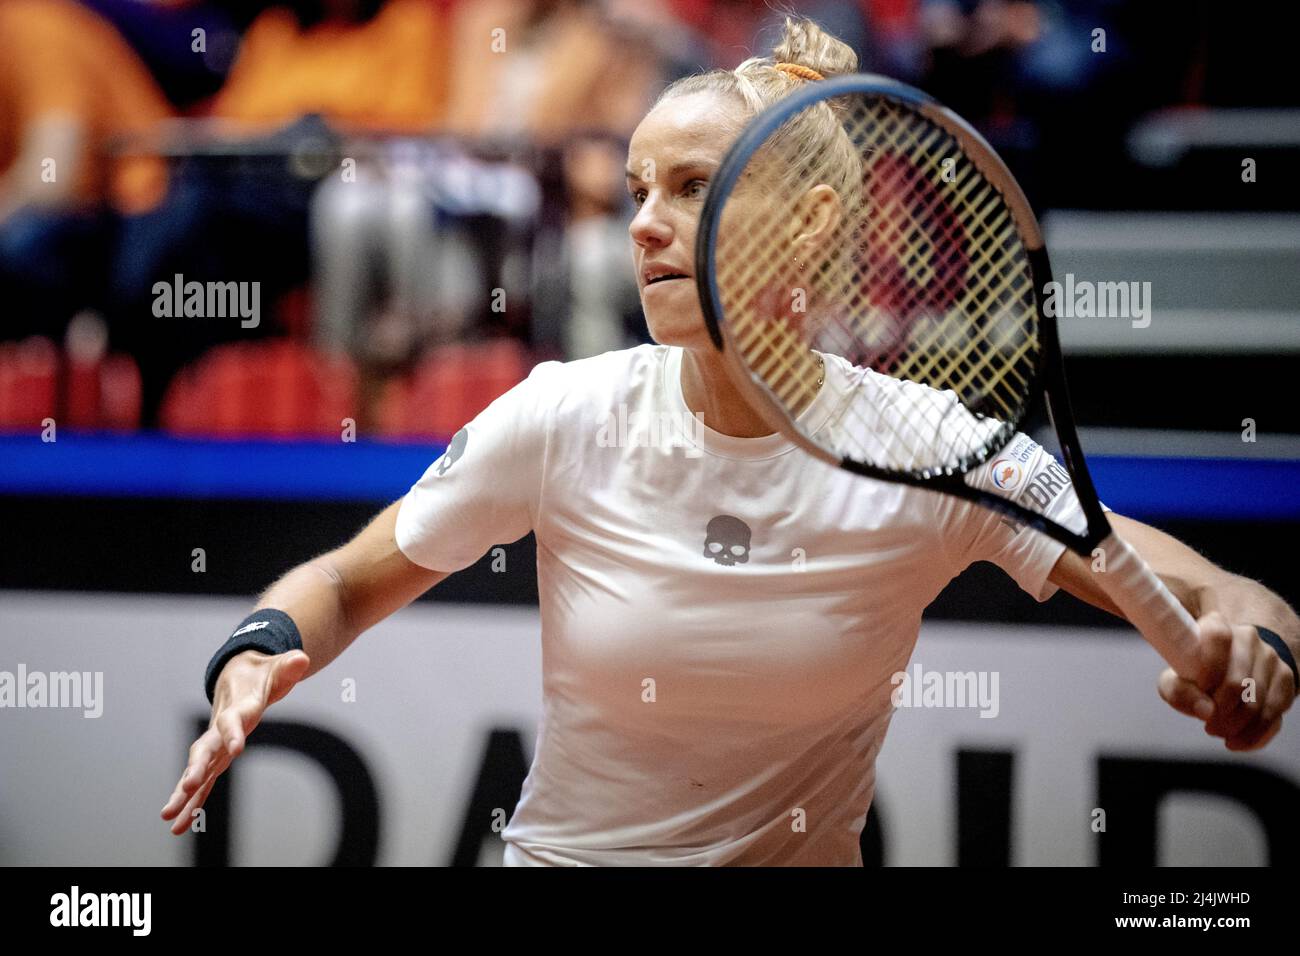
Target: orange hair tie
{"x":803,"y":72}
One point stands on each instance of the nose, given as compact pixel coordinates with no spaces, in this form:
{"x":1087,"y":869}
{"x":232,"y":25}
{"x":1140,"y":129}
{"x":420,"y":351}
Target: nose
{"x":650,"y":228}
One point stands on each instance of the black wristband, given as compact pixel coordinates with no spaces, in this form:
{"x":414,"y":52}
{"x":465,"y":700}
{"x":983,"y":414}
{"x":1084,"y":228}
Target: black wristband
{"x":268,"y":630}
{"x":1284,"y":652}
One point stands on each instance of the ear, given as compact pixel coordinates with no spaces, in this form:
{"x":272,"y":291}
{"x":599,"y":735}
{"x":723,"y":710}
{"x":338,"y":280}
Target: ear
{"x":817,"y":217}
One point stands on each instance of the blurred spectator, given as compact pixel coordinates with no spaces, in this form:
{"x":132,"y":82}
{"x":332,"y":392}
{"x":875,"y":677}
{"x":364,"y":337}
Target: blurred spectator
{"x":978,"y":52}
{"x":1019,"y":70}
{"x":573,"y":78}
{"x":240,"y":210}
{"x":68,"y":86}
{"x":893,"y":43}
{"x":368,"y":69}
{"x":188,"y":45}
{"x":975,"y":46}
{"x":522,"y":76}
{"x":540,"y":69}
{"x":727,"y":28}
{"x":358,"y":63}
{"x":598,"y":250}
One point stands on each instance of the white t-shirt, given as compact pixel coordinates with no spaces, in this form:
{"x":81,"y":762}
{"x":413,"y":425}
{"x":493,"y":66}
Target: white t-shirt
{"x":721,"y":616}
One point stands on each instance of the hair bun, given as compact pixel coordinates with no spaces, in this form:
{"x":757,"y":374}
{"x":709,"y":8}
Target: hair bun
{"x":805,"y":44}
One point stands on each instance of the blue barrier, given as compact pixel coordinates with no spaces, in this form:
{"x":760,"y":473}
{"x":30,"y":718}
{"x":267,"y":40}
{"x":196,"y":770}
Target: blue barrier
{"x":161,"y":466}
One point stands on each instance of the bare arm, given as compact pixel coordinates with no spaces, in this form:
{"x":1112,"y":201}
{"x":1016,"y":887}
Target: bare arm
{"x":1199,"y":584}
{"x":332,"y":599}
{"x":1227,"y":607}
{"x":337,"y":596}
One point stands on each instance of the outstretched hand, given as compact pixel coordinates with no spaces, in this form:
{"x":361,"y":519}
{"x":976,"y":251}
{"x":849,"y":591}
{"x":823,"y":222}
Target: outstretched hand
{"x":249,"y":683}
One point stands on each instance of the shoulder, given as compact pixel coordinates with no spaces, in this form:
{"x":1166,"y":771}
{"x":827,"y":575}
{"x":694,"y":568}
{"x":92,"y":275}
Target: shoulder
{"x":615,"y":363}
{"x":903,"y":425}
{"x":885,"y":391}
{"x":600,"y":381}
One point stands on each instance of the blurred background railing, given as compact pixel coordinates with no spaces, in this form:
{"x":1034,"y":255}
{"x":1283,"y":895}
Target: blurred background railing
{"x":425,"y":196}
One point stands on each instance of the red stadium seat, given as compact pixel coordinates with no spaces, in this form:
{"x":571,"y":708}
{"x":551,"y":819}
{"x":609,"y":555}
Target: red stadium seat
{"x":278,"y":387}
{"x":97,"y":393}
{"x":451,"y":386}
{"x":29,"y":377}
{"x":103,"y":393}
{"x":120,"y":396}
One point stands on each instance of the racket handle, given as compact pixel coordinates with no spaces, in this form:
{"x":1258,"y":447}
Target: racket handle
{"x":1150,"y":607}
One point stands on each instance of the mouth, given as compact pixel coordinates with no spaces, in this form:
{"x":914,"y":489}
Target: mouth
{"x":667,"y":277}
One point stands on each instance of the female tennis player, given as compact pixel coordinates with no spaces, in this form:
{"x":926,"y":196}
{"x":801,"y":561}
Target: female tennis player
{"x":721,"y":615}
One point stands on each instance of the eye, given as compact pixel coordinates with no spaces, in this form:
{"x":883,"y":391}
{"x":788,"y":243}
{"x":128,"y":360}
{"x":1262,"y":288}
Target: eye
{"x":638,"y":197}
{"x":695,"y":188}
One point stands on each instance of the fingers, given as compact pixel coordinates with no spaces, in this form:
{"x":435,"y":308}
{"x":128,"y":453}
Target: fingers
{"x":185,"y":819}
{"x":286,"y":671}
{"x":1277,"y":690}
{"x":1184,"y":696}
{"x":195,"y":772}
{"x":211,"y":754}
{"x":230,"y":726}
{"x":1215,"y":650}
{"x":1195,"y":698}
{"x":195,"y":784}
{"x":1255,"y":740}
{"x":195,"y":781}
{"x":1234,"y":708}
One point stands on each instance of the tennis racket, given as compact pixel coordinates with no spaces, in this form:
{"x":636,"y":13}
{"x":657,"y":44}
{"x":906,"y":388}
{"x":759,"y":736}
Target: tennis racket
{"x":858,"y":218}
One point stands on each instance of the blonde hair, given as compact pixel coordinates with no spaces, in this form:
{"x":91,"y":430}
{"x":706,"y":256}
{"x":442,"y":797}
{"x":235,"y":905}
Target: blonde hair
{"x":759,"y":82}
{"x":812,"y":147}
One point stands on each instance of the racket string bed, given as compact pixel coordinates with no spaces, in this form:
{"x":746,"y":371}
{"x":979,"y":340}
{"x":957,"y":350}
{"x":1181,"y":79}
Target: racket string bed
{"x":931,"y":287}
{"x":858,"y":228}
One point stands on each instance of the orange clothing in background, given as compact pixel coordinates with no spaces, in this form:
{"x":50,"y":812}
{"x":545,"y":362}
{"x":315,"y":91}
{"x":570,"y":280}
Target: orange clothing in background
{"x":388,"y":74}
{"x":59,"y":59}
{"x":561,"y":70}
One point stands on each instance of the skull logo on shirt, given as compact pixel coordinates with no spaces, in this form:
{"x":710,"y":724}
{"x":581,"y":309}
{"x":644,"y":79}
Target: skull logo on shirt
{"x":454,"y":451}
{"x":726,"y":540}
